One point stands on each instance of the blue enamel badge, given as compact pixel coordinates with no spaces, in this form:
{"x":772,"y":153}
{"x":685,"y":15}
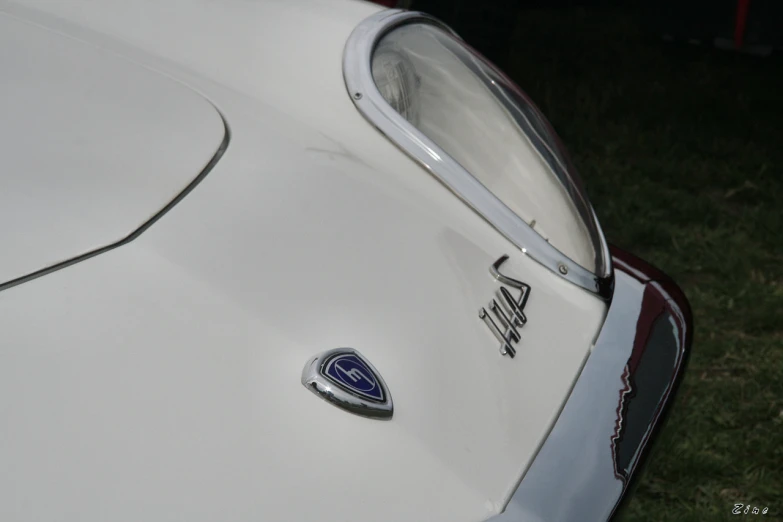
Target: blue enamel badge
{"x":350,"y":372}
{"x":348,"y":380}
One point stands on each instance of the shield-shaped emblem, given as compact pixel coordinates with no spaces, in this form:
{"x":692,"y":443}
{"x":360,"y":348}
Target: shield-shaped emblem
{"x":346,"y":379}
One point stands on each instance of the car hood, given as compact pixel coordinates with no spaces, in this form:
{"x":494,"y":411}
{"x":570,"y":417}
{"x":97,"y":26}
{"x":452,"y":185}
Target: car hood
{"x":160,"y":380}
{"x":93,"y":146}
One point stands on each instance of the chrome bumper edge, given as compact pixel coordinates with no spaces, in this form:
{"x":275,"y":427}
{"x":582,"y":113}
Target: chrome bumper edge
{"x":584,"y":467}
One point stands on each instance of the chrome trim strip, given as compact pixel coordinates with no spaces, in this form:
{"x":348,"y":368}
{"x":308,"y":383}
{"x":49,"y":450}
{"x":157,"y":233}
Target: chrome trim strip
{"x":144,"y":226}
{"x":584,"y":467}
{"x":530,"y":122}
{"x":357,"y":71}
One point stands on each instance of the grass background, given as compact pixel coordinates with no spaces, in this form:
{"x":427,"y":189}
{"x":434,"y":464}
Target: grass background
{"x":681,"y":148}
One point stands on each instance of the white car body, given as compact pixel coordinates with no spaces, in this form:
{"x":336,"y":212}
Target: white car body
{"x":193,"y":207}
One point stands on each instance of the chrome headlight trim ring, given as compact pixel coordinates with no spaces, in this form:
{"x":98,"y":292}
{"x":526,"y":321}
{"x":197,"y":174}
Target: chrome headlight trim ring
{"x":360,"y":84}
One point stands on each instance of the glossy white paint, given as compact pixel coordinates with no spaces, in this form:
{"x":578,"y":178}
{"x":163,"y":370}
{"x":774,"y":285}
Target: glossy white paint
{"x":160,"y":380}
{"x":92,"y":146}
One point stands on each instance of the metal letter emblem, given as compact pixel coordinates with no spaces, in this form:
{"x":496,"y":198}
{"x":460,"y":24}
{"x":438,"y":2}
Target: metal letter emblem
{"x":507,"y":310}
{"x":346,"y":379}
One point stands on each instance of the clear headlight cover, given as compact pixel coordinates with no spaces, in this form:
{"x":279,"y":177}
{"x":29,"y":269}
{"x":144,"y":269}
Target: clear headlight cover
{"x":477,"y":116}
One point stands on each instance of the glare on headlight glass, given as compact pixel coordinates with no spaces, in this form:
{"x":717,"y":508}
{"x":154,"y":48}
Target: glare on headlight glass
{"x":472,"y":112}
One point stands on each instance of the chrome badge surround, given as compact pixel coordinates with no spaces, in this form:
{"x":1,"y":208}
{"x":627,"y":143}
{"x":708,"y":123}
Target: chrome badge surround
{"x":508,"y":310}
{"x":339,"y":384}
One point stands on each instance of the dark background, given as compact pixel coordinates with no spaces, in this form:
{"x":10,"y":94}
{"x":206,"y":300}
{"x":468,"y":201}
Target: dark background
{"x":681,"y":148}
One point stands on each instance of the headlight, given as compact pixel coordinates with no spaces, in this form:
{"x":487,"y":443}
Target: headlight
{"x":397,"y":82}
{"x":480,"y":135}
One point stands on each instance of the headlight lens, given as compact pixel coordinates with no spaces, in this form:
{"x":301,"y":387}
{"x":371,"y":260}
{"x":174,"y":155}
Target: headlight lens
{"x":397,"y":82}
{"x":484,"y":122}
